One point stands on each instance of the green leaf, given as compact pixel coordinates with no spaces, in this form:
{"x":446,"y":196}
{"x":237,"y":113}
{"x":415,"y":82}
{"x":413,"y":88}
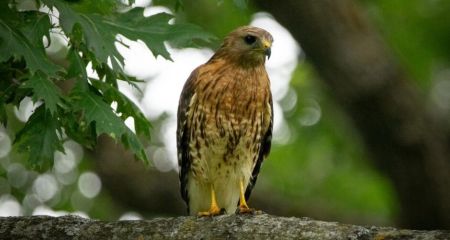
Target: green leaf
{"x":155,"y":30}
{"x":44,"y":89}
{"x":125,"y":107}
{"x":98,"y":39}
{"x":100,"y":32}
{"x":77,"y":68}
{"x":104,"y":7}
{"x":97,"y":112}
{"x":13,"y":43}
{"x":35,"y":26}
{"x":76,"y":128}
{"x":183,"y":35}
{"x":38,"y":138}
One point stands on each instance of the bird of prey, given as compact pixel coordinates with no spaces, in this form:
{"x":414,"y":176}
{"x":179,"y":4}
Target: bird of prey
{"x":224,"y":127}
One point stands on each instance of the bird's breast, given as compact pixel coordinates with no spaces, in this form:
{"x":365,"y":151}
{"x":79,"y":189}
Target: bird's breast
{"x":234,"y":106}
{"x":228,"y":117}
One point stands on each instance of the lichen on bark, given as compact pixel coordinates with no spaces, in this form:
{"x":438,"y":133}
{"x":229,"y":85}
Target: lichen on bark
{"x":261,"y":226}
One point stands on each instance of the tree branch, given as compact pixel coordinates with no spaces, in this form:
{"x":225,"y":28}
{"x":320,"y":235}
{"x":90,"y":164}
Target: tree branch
{"x":222,"y":227}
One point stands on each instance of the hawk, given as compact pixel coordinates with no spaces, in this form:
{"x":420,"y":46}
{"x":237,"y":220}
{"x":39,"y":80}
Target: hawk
{"x":224,"y":127}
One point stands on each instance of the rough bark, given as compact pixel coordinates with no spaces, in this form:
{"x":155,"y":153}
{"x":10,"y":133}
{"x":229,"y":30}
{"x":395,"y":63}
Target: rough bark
{"x":222,"y":227}
{"x":406,"y":142}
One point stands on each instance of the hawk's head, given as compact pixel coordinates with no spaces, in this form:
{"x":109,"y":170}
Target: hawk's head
{"x":248,"y":44}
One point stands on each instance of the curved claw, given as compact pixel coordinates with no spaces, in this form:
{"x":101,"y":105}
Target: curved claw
{"x":247,"y":210}
{"x":213,"y":211}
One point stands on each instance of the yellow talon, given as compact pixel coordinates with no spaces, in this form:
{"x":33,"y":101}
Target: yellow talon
{"x":214,"y":210}
{"x":243,"y":207}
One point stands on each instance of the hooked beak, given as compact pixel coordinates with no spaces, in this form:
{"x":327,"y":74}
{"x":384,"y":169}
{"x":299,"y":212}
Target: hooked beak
{"x":267,"y":47}
{"x":268,"y":52}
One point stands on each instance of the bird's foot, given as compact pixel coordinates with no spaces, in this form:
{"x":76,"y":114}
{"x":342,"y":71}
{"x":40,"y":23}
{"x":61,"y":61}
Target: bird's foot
{"x":213,"y":211}
{"x":247,"y":210}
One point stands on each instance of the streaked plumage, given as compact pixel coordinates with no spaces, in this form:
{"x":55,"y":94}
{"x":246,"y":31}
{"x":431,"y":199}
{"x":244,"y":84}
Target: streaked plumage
{"x":225,"y":123}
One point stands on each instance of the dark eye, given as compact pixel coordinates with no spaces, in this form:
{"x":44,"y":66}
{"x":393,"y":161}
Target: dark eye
{"x":249,"y":39}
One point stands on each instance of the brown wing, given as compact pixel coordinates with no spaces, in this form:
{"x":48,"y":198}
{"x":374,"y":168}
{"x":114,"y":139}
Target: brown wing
{"x":264,"y":150}
{"x":183,"y":136}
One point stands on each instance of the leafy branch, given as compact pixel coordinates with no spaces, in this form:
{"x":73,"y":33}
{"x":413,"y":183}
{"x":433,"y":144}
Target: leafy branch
{"x":83,"y":112}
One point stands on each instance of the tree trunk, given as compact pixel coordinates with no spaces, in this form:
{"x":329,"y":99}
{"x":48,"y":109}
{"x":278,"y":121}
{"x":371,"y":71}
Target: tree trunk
{"x":222,"y":227}
{"x":406,"y":142}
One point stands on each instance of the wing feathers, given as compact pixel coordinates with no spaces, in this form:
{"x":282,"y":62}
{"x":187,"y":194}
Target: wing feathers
{"x":183,"y":134}
{"x":263,"y":153}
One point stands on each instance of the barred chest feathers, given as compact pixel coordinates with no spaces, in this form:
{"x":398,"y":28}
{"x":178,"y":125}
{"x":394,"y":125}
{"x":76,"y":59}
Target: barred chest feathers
{"x":229,"y":116}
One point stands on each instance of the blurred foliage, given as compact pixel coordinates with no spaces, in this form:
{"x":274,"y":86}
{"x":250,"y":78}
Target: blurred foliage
{"x":417,"y":31}
{"x":323,"y":168}
{"x":217,"y":17}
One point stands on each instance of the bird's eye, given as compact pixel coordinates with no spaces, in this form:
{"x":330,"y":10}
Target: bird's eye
{"x":249,"y":39}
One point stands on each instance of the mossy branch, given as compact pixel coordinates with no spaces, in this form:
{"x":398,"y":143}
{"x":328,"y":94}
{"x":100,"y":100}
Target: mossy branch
{"x":222,"y":227}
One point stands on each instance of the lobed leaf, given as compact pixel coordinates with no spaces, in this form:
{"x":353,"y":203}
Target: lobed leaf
{"x":44,"y":89}
{"x":100,"y":32}
{"x":98,"y":39}
{"x":39,"y":138}
{"x":125,"y":107}
{"x":92,"y":34}
{"x":13,"y":43}
{"x":155,"y":30}
{"x":77,"y":68}
{"x":97,"y":112}
{"x":35,"y":26}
